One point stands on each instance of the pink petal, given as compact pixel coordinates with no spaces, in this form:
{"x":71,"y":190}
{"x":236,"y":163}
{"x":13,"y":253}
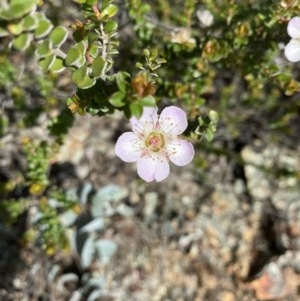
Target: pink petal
{"x":146,"y":122}
{"x":128,"y":147}
{"x":180,"y":152}
{"x":152,"y":168}
{"x":293,"y":28}
{"x":173,"y":120}
{"x":292,"y":51}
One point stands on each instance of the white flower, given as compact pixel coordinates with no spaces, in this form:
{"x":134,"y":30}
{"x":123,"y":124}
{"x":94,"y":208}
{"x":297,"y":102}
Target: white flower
{"x":292,"y":49}
{"x":205,"y":17}
{"x":154,"y":142}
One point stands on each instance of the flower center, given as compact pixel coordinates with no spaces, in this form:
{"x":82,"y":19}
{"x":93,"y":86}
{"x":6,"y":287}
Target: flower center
{"x":155,"y":141}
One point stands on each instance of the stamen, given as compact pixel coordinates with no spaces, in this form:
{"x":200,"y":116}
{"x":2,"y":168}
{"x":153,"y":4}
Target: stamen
{"x":155,"y":141}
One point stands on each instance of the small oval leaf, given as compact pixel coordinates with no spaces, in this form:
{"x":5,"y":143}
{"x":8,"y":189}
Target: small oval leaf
{"x":110,"y":10}
{"x":22,"y":41}
{"x":82,"y":79}
{"x":58,"y":36}
{"x":30,"y":22}
{"x":116,"y":99}
{"x":47,"y":62}
{"x":110,"y":26}
{"x":97,"y":66}
{"x":43,"y":28}
{"x":76,"y":55}
{"x":15,"y":28}
{"x":136,"y":109}
{"x":44,"y":48}
{"x":57,"y":66}
{"x":17,"y":9}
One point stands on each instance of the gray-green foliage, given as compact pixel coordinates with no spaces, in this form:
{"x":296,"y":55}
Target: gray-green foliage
{"x":86,"y":229}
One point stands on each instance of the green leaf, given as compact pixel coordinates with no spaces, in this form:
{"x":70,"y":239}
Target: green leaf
{"x":82,"y":79}
{"x":213,"y":116}
{"x":116,"y":99}
{"x":146,"y":52}
{"x":160,"y":61}
{"x":209,"y":135}
{"x":105,"y":3}
{"x":91,"y":2}
{"x":110,"y":26}
{"x":136,"y":109}
{"x":81,"y":46}
{"x":58,"y":36}
{"x":121,"y":80}
{"x":57,"y":66}
{"x":47,"y":62}
{"x":139,"y":65}
{"x":15,"y":28}
{"x":44,"y":48}
{"x":18,"y":9}
{"x":153,"y":55}
{"x":29,"y":23}
{"x":43,"y":28}
{"x":110,"y":10}
{"x":81,"y":62}
{"x":73,"y":57}
{"x":76,"y":55}
{"x":22,"y":41}
{"x":97,"y":66}
{"x":93,"y":50}
{"x":148,"y":101}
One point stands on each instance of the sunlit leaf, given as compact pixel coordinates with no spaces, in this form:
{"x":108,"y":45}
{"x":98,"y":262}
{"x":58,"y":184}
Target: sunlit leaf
{"x":76,"y":55}
{"x":17,"y":9}
{"x":57,"y":66}
{"x":47,"y":62}
{"x":116,"y":99}
{"x":136,"y":109}
{"x":110,"y":26}
{"x":58,"y":36}
{"x":15,"y":28}
{"x":121,"y":79}
{"x":43,"y":28}
{"x":44,"y":48}
{"x":148,"y":101}
{"x":97,"y":66}
{"x":22,"y":41}
{"x":110,"y":10}
{"x":29,"y":22}
{"x":82,"y":79}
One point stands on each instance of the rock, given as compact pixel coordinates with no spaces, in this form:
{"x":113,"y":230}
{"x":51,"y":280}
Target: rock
{"x":268,"y":168}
